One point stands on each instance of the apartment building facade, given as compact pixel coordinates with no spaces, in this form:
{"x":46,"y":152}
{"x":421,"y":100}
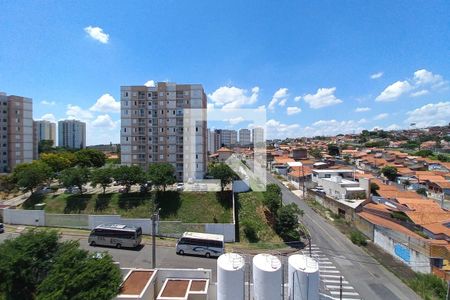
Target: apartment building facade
{"x":258,"y":135}
{"x":152,"y":126}
{"x":72,"y":134}
{"x":244,"y":137}
{"x":16,"y":136}
{"x":226,"y":137}
{"x":213,"y":144}
{"x":45,"y":130}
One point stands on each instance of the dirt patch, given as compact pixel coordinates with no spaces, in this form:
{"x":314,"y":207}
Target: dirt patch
{"x":198,"y":286}
{"x":136,"y":282}
{"x":175,"y":288}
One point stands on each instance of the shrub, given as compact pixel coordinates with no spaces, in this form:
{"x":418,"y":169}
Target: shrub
{"x":422,"y":191}
{"x":358,"y":238}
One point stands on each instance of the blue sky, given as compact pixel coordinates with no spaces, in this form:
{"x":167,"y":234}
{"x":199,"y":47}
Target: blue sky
{"x":68,"y":55}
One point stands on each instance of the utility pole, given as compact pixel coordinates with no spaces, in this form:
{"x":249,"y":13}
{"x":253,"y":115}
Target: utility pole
{"x":155,"y":218}
{"x":448,"y":290}
{"x":340,"y":288}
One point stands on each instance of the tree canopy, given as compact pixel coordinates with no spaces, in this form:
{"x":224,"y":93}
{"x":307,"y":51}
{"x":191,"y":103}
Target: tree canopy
{"x":129,"y":175}
{"x":90,"y":158}
{"x":31,"y":175}
{"x":36,"y":265}
{"x":102,"y":177}
{"x":272,"y":198}
{"x":58,"y":161}
{"x":222,"y":172}
{"x":161,"y":174}
{"x":288,"y":222}
{"x":389,"y":172}
{"x":77,"y":176}
{"x":333,"y":149}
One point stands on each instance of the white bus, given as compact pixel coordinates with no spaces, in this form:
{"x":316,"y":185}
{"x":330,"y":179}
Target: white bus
{"x":116,"y":235}
{"x":204,"y":244}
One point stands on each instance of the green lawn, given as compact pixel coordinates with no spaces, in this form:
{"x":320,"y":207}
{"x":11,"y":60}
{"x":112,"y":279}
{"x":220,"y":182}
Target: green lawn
{"x":254,"y":221}
{"x":188,"y":207}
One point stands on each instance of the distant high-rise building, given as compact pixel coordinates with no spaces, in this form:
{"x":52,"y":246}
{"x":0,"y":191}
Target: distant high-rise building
{"x":244,"y":137}
{"x":72,"y":134}
{"x":16,"y":133}
{"x":227,"y":137}
{"x":258,"y":135}
{"x":46,"y":130}
{"x":152,"y":128}
{"x":213,"y":143}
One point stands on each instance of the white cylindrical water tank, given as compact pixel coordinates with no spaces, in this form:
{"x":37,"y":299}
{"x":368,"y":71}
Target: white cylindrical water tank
{"x":303,"y":272}
{"x":230,"y":276}
{"x":267,"y":277}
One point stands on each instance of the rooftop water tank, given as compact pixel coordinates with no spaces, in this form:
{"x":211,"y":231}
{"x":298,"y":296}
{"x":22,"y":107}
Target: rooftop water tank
{"x":230,"y":277}
{"x":267,"y":277}
{"x":303,"y":272}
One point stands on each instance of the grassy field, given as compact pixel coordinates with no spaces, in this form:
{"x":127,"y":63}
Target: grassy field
{"x":188,"y":207}
{"x":255,"y":222}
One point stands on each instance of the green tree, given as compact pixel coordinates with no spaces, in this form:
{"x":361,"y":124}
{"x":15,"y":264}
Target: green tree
{"x":423,"y":153}
{"x":316,"y":153}
{"x":443,"y":158}
{"x":77,"y":176}
{"x":129,"y":175}
{"x":161,"y":174}
{"x":76,"y":274}
{"x":374,"y":188}
{"x":288,"y":222}
{"x":45,"y":146}
{"x":222,"y":172}
{"x":333,"y":149}
{"x":90,"y":158}
{"x":389,"y":172}
{"x":58,"y":161}
{"x":272,"y":198}
{"x":24,"y":263}
{"x":31,"y":175}
{"x":102,"y":177}
{"x":422,"y":191}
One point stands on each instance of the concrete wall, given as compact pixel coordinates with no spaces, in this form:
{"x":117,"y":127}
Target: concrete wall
{"x":227,"y":229}
{"x":24,"y":217}
{"x":365,"y":227}
{"x":401,"y":251}
{"x":240,"y":186}
{"x":65,"y":220}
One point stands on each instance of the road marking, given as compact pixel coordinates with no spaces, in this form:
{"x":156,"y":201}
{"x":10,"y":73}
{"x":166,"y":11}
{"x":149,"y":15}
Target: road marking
{"x":344,"y":287}
{"x":344,"y":293}
{"x":327,"y":267}
{"x":329,"y":271}
{"x":346,"y":299}
{"x":334,"y":281}
{"x":330,"y":276}
{"x":325,"y":263}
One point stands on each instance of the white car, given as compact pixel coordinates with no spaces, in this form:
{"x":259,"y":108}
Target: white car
{"x":180,"y":186}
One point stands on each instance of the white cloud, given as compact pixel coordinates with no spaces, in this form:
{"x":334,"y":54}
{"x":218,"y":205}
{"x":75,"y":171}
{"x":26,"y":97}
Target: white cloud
{"x":234,"y":121}
{"x":432,"y":114}
{"x":106,"y":103}
{"x":276,"y":129}
{"x":394,"y":91}
{"x":150,"y":83}
{"x":280,"y":97}
{"x":97,"y":34}
{"x":297,"y":98}
{"x":49,"y":117}
{"x":333,"y":127}
{"x":376,"y":75}
{"x":422,"y":83}
{"x":323,"y":98}
{"x":104,"y":121}
{"x":233,"y":97}
{"x":45,"y":102}
{"x":420,"y":93}
{"x":393,"y":127}
{"x":362,"y":109}
{"x":292,"y":110}
{"x":381,"y":116}
{"x":76,"y":112}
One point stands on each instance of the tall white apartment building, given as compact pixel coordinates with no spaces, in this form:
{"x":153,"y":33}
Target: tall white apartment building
{"x":213,"y":144}
{"x":152,"y":129}
{"x":258,"y":135}
{"x":244,"y":137}
{"x":227,"y":137}
{"x":72,"y":134}
{"x":45,"y":130}
{"x":16,"y":132}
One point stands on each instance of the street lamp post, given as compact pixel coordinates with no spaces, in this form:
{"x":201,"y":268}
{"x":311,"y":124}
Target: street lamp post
{"x":155,"y":218}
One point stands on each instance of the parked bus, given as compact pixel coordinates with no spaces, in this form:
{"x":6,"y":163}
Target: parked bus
{"x":116,"y":235}
{"x":204,"y":244}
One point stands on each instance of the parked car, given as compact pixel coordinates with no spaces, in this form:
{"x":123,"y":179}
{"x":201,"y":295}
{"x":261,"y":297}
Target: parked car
{"x":180,"y":186}
{"x":74,"y":190}
{"x":45,"y":190}
{"x":124,"y":190}
{"x":2,"y":228}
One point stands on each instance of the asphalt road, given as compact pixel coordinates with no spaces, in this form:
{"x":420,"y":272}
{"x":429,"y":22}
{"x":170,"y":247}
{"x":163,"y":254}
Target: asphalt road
{"x":368,"y":277}
{"x":165,"y":256}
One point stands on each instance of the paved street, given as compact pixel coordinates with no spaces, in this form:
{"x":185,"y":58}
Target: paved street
{"x":368,"y":279}
{"x":166,"y":256}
